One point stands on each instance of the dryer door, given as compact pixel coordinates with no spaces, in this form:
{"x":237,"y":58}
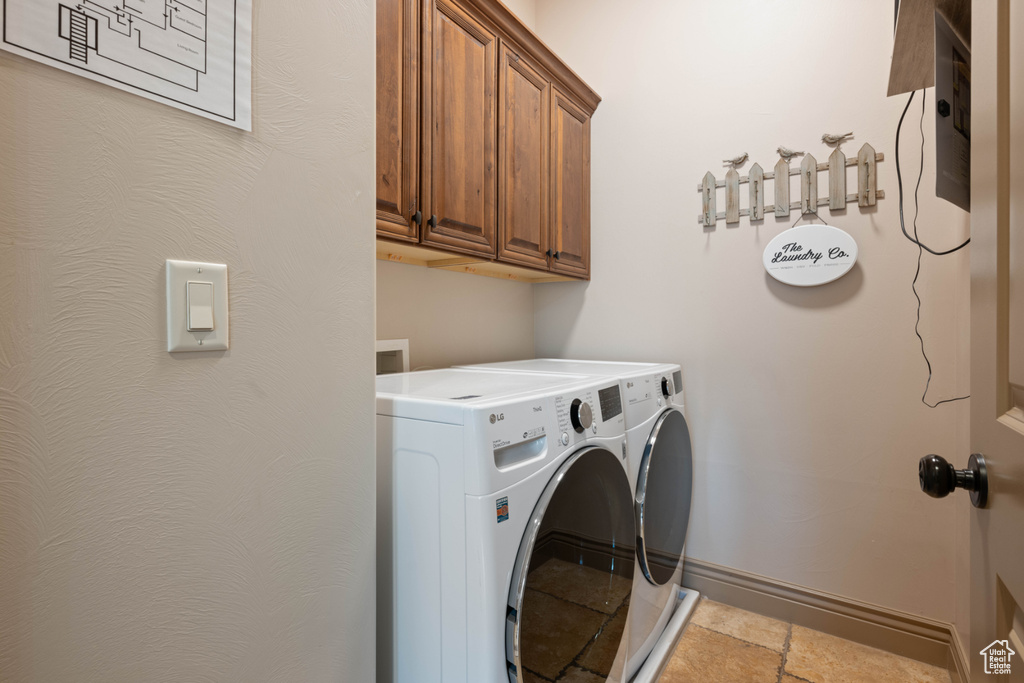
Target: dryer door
{"x":573,"y":575}
{"x":663,"y":489}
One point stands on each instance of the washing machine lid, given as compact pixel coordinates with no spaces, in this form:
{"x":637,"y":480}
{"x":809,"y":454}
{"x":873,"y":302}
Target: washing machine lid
{"x":580,"y":367}
{"x":642,"y":383}
{"x":664,"y":489}
{"x":445,"y":395}
{"x":571,"y":584}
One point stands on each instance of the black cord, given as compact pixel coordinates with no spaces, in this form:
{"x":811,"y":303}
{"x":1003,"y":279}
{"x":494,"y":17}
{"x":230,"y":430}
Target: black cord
{"x":920,"y":252}
{"x":899,"y":183}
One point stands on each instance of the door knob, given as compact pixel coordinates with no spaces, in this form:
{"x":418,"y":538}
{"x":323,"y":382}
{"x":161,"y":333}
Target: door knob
{"x":938,"y":478}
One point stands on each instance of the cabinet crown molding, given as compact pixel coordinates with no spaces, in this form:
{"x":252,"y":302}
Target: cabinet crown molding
{"x":510,"y":25}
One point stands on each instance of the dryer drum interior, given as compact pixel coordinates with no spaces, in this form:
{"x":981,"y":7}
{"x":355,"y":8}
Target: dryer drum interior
{"x":663,"y":490}
{"x":574,"y":573}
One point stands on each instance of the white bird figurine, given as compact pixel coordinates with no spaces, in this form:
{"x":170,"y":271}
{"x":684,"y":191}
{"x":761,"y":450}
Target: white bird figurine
{"x":735,"y":161}
{"x":787,"y":153}
{"x":830,"y":139}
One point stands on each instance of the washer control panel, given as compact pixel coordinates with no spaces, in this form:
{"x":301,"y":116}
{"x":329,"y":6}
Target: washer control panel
{"x":534,"y":430}
{"x":581,"y":415}
{"x":592,"y":412}
{"x":571,"y":410}
{"x":524,"y":435}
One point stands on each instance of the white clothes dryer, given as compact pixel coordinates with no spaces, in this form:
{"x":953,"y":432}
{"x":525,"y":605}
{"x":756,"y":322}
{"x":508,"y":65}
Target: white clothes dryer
{"x":660,"y":470}
{"x":505,"y":527}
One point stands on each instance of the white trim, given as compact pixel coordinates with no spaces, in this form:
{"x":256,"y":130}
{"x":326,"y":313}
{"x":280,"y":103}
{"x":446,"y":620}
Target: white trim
{"x":399,"y":347}
{"x":656,"y":662}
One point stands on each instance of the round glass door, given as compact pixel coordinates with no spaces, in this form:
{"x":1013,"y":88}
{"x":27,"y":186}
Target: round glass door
{"x":574,"y":573}
{"x":663,"y":490}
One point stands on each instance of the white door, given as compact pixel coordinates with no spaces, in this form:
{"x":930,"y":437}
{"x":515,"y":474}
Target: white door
{"x":997,"y":330}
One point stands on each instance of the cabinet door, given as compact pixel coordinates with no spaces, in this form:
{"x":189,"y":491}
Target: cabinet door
{"x":397,"y":118}
{"x":570,"y":187}
{"x":460,"y":132}
{"x":524,"y":107}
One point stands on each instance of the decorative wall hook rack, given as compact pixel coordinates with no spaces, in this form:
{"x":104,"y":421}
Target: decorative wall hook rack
{"x":867,"y":187}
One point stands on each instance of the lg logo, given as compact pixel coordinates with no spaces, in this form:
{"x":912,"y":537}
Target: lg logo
{"x":497,"y":418}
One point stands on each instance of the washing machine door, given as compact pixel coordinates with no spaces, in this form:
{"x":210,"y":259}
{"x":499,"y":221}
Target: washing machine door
{"x":663,"y":490}
{"x":573,"y":575}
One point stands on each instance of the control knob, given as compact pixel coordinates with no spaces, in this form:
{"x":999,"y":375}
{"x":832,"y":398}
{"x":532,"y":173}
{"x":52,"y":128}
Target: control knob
{"x":666,"y":387}
{"x":581,"y":415}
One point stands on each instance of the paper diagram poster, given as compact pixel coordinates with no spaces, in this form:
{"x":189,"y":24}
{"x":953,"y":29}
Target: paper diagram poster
{"x":191,"y":54}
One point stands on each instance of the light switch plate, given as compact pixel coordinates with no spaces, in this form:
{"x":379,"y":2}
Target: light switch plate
{"x":179,"y":275}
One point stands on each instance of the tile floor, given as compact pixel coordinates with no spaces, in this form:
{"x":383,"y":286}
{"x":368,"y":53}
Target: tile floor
{"x":723,"y":644}
{"x":583,"y":613}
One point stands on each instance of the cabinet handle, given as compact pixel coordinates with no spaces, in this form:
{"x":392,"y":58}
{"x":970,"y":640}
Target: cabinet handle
{"x":549,"y":252}
{"x":418,"y":218}
{"x":556,"y":254}
{"x":432,"y":222}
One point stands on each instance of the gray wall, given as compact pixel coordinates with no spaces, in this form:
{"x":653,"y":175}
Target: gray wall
{"x":200,"y":516}
{"x":804,"y":404}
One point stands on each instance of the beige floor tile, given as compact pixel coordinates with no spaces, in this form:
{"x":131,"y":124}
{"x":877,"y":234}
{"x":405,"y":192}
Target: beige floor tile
{"x":738,"y":623}
{"x":583,"y":585}
{"x":790,"y":679}
{"x":573,"y":674}
{"x":822,"y":658}
{"x":567,"y":628}
{"x":577,"y":675}
{"x":600,"y":654}
{"x":710,"y":657}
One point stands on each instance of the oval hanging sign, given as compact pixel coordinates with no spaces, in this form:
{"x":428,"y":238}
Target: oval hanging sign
{"x":810,"y":255}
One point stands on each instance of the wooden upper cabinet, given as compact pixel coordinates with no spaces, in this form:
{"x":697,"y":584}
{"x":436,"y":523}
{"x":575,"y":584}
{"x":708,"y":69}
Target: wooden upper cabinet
{"x":459,"y":155}
{"x":398,"y":78}
{"x":570,"y":187}
{"x":523,"y":124}
{"x":483,"y":143}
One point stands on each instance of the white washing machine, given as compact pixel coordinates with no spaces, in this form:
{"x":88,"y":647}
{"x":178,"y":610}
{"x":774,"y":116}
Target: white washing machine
{"x":660,"y":472}
{"x":506,"y":535}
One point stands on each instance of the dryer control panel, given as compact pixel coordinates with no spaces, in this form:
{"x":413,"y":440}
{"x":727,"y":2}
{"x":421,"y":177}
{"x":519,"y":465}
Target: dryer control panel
{"x":647,"y":395}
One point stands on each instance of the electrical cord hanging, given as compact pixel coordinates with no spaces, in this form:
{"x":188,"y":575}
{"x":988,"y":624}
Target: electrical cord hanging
{"x":921,"y":248}
{"x":899,"y":183}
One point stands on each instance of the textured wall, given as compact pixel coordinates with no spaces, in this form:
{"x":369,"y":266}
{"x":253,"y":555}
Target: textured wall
{"x":196,"y":517}
{"x":804,"y":404}
{"x":453,"y":318}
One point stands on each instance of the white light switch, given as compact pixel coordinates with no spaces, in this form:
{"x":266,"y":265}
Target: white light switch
{"x":200,"y":306}
{"x":197,"y":306}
